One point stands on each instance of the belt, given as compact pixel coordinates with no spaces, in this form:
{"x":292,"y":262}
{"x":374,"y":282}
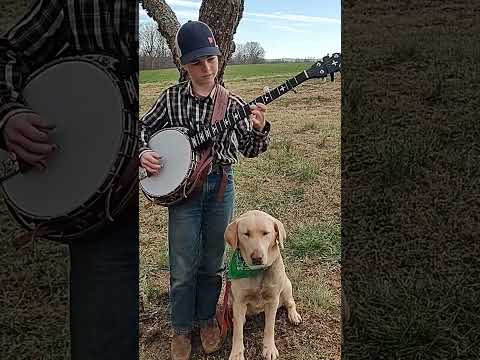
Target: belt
{"x":222,"y":182}
{"x":220,"y":168}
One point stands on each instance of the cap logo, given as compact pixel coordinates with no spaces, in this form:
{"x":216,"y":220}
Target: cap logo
{"x":210,"y":40}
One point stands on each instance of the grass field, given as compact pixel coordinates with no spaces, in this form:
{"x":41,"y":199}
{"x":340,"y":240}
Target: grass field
{"x":298,"y":181}
{"x":410,"y":180}
{"x":232,"y":72}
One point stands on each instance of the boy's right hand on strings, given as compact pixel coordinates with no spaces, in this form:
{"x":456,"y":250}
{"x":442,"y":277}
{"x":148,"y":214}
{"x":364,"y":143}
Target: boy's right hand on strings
{"x":26,"y":135}
{"x":150,"y":161}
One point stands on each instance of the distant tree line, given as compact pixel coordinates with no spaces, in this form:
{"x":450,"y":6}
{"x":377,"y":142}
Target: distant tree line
{"x":153,"y":49}
{"x":248,"y":53}
{"x":155,"y":53}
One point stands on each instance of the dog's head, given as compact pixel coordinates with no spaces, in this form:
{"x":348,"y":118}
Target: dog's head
{"x":258,"y":236}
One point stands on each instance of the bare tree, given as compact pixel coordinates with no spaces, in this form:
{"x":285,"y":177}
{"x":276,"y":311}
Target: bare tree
{"x":152,"y":43}
{"x":254,"y":52}
{"x":223,"y":17}
{"x":153,"y":47}
{"x":238,"y":57}
{"x":249,"y":53}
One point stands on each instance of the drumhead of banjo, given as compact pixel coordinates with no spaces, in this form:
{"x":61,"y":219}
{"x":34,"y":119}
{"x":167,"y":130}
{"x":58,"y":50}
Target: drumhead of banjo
{"x":174,"y":147}
{"x":86,"y":106}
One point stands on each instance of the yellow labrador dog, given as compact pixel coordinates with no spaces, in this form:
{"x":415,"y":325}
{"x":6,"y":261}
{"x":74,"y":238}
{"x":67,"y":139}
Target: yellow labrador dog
{"x":259,"y":238}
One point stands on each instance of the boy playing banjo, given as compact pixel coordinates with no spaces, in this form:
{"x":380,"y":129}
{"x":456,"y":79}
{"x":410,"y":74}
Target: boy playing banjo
{"x":196,"y":225}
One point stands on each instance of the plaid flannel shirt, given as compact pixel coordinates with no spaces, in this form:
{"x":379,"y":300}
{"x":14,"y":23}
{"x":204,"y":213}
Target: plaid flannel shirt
{"x":178,"y":106}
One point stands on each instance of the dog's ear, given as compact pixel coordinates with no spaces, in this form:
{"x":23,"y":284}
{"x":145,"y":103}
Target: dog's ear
{"x":231,"y":235}
{"x":281,"y":233}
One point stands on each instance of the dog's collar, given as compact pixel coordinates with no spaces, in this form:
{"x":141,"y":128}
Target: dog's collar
{"x":239,"y":269}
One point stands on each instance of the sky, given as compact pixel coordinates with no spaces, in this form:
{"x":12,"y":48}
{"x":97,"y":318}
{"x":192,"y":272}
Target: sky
{"x":284,"y":28}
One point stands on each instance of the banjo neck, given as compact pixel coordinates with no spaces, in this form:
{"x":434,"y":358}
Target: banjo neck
{"x":209,"y":132}
{"x":321,"y":69}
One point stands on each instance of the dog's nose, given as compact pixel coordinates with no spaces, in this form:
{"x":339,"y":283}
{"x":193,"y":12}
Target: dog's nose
{"x":256,"y":258}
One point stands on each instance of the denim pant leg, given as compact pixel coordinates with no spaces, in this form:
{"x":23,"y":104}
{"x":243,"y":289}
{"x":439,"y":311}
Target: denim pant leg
{"x":184,"y":222}
{"x":216,"y":216}
{"x":104,"y":290}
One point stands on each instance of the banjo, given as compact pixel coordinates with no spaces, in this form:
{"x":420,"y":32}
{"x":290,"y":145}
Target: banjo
{"x":179,"y":151}
{"x":94,"y":171}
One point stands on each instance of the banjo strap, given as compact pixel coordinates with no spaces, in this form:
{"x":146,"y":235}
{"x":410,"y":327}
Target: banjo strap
{"x":206,"y":156}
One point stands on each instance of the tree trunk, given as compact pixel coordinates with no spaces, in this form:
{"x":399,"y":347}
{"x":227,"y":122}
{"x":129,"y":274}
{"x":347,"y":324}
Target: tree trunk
{"x":223,"y":17}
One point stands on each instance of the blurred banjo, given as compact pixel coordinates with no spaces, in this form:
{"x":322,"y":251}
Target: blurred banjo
{"x":179,"y":151}
{"x":94,"y":171}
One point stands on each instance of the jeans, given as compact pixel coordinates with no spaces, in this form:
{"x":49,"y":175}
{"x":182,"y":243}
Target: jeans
{"x":104,"y":291}
{"x":196,"y":253}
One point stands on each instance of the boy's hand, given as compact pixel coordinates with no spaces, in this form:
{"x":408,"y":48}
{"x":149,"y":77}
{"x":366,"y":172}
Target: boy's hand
{"x":150,"y":161}
{"x":27,"y":136}
{"x":257,"y":118}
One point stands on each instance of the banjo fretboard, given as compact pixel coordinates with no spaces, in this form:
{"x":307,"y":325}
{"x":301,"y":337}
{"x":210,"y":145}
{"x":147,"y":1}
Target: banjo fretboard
{"x":328,"y":66}
{"x":242,"y":112}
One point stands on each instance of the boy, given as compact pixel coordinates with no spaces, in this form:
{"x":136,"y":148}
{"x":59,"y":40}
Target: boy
{"x":197,"y":224}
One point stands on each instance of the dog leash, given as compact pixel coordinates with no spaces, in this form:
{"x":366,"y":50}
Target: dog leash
{"x":225,"y":314}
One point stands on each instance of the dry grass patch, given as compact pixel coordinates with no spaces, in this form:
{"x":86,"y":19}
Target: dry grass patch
{"x":34,"y":298}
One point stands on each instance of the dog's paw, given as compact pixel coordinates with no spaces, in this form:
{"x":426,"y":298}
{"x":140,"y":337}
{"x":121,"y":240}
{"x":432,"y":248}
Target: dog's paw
{"x":294,"y":317}
{"x":236,"y":355}
{"x":270,"y":351}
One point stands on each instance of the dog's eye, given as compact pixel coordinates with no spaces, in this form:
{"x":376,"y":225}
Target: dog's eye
{"x":265,"y":233}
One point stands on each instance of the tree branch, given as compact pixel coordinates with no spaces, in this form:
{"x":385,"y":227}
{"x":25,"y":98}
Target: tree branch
{"x":168,"y":24}
{"x":223,"y":17}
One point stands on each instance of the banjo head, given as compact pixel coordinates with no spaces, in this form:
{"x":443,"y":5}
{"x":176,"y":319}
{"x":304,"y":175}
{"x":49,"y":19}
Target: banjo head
{"x":86,"y":106}
{"x":174,"y":147}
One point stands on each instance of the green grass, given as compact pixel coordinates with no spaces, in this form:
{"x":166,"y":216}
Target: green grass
{"x":406,"y":159}
{"x":408,"y":147}
{"x":319,"y":241}
{"x":318,"y":297}
{"x":233,"y":72}
{"x":404,"y":323}
{"x":276,"y":202}
{"x":163,"y":75}
{"x":290,"y":163}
